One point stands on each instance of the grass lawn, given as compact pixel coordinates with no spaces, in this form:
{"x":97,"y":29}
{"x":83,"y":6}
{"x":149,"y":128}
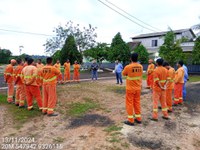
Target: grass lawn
{"x":194,"y":78}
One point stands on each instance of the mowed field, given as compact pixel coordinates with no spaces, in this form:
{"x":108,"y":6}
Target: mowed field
{"x":91,"y":116}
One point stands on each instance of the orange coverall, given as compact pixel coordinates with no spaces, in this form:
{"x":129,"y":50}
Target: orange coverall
{"x":29,"y":76}
{"x":67,"y":71}
{"x":160,"y":75}
{"x":49,"y":75}
{"x":76,"y":72}
{"x":58,"y":66}
{"x":8,"y":77}
{"x":178,"y":87}
{"x":39,"y":79}
{"x":170,"y":87}
{"x":20,"y":88}
{"x":133,"y":73}
{"x":150,"y":70}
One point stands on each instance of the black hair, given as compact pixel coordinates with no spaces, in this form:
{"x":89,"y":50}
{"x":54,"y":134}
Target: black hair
{"x":26,"y":58}
{"x":165,"y":64}
{"x":40,"y":59}
{"x":180,"y":63}
{"x":49,"y":60}
{"x":159,"y":61}
{"x":134,"y":57}
{"x":19,"y":60}
{"x":30,"y":61}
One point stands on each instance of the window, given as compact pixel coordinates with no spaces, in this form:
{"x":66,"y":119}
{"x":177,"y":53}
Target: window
{"x":154,"y":43}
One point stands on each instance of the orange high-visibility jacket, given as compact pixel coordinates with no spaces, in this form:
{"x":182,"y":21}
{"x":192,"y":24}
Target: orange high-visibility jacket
{"x":8,"y":73}
{"x":49,"y":74}
{"x":76,"y":68}
{"x":39,"y":66}
{"x":150,"y":68}
{"x":179,"y":75}
{"x":160,"y":75}
{"x":67,"y":67}
{"x":29,"y":75}
{"x":57,"y":66}
{"x":171,"y":73}
{"x":133,"y":73}
{"x":18,"y":74}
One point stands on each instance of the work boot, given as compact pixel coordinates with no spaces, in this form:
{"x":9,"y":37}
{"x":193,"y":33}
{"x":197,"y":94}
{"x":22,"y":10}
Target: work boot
{"x":175,"y":105}
{"x":166,"y":118}
{"x":137,"y":121}
{"x":129,"y":123}
{"x":16,"y":104}
{"x":44,"y":113}
{"x":153,"y":119}
{"x":170,"y":111}
{"x":52,"y":115}
{"x":22,"y":107}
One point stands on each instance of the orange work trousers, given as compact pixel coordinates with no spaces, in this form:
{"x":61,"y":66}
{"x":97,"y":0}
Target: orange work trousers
{"x":159,"y":95}
{"x":67,"y":76}
{"x":49,"y":98}
{"x":133,"y":105}
{"x":178,"y":93}
{"x":76,"y":76}
{"x":20,"y":95}
{"x":10,"y":92}
{"x":169,"y":99}
{"x":33,"y":92}
{"x":150,"y":80}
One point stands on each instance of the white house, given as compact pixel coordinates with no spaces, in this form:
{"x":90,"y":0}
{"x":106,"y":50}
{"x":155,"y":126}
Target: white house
{"x":152,"y":41}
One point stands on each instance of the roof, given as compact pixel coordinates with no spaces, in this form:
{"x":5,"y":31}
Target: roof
{"x":156,"y":34}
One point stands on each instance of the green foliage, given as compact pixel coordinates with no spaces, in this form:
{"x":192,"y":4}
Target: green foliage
{"x":56,"y":56}
{"x":143,"y":54}
{"x":171,"y":51}
{"x":119,"y":50}
{"x":194,"y":78}
{"x":100,"y":52}
{"x":4,"y":56}
{"x":84,"y":37}
{"x":196,"y":52}
{"x":112,"y":128}
{"x":70,"y":51}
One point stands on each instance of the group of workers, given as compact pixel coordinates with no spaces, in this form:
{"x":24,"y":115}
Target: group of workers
{"x":162,"y":79}
{"x":30,"y":77}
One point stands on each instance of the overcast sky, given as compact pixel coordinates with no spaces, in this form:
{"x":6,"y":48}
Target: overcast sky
{"x":41,"y":16}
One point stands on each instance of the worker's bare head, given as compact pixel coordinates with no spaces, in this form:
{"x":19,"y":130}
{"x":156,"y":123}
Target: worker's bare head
{"x":39,"y":61}
{"x":58,"y":61}
{"x":30,"y":61}
{"x":67,"y":60}
{"x":150,"y":61}
{"x":94,"y":61}
{"x":166,"y":65}
{"x":49,"y":60}
{"x":134,"y":57}
{"x":19,"y":61}
{"x":180,"y":64}
{"x":159,"y":62}
{"x":75,"y":62}
{"x":12,"y":62}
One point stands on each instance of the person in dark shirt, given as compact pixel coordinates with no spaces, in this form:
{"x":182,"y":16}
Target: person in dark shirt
{"x":94,"y":68}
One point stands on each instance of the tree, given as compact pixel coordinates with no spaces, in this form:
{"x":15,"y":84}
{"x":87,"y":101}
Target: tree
{"x":5,"y":55}
{"x":119,"y":50}
{"x":85,"y":38}
{"x":143,"y":54}
{"x":56,"y":56}
{"x":196,"y":52}
{"x":100,"y":52}
{"x":70,"y":51}
{"x":171,"y":50}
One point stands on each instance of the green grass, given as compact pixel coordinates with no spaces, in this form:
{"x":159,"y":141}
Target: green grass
{"x":144,"y":76}
{"x":79,"y":109}
{"x":58,"y":140}
{"x":116,"y":89}
{"x":20,"y":116}
{"x":194,"y":78}
{"x":112,"y":128}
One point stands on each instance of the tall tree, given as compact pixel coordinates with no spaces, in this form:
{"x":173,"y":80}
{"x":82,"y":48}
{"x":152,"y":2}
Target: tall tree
{"x":171,"y":50}
{"x":56,"y":56}
{"x":196,"y":52}
{"x":100,"y":52}
{"x":70,"y":51}
{"x":119,"y":50}
{"x":5,"y":55}
{"x":85,"y":37}
{"x":143,"y":55}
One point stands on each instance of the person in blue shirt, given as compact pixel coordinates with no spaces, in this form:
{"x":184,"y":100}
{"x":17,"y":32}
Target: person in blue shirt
{"x":94,"y":68}
{"x":185,"y":81}
{"x":118,"y":72}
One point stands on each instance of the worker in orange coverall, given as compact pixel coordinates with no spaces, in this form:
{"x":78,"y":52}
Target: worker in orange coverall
{"x":150,"y":70}
{"x":49,"y":75}
{"x":160,"y":76}
{"x":76,"y":71}
{"x":9,"y":79}
{"x":133,"y":73}
{"x":39,"y":66}
{"x":67,"y":71}
{"x":179,"y":81}
{"x":29,"y":76}
{"x":20,"y":88}
{"x":58,"y":66}
{"x":170,"y":85}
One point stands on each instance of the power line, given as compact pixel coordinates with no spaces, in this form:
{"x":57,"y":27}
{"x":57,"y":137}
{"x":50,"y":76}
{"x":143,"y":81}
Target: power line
{"x":132,"y":15}
{"x":23,"y":32}
{"x":126,"y":16}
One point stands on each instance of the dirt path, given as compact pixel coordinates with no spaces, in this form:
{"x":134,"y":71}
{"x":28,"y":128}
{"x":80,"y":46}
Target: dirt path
{"x":102,"y":128}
